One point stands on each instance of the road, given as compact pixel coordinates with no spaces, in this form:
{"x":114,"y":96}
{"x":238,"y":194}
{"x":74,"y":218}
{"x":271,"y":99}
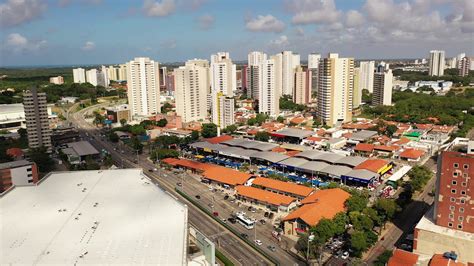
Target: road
{"x":407,"y":220}
{"x":232,"y":246}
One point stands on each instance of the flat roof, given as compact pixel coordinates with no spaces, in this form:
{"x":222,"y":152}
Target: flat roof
{"x":336,"y":170}
{"x":272,"y":157}
{"x":15,"y":164}
{"x":313,"y":166}
{"x":295,"y":147}
{"x":250,"y":144}
{"x":264,"y":196}
{"x":362,"y":174}
{"x":351,"y":161}
{"x":83,"y":148}
{"x":294,"y":132}
{"x":311,"y":154}
{"x":137,"y":222}
{"x":293,"y":161}
{"x":363,"y":135}
{"x":426,"y":223}
{"x":287,"y":187}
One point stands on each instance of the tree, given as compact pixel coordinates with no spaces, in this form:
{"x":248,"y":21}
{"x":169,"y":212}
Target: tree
{"x":123,"y":122}
{"x":373,"y":215}
{"x":160,"y":154}
{"x":209,"y":130}
{"x":162,"y":122}
{"x":390,"y":130}
{"x":323,"y":231}
{"x":280,"y":119}
{"x":230,"y":129}
{"x":251,"y":121}
{"x":42,"y":159}
{"x":358,"y":242}
{"x":360,"y":221}
{"x":166,"y":107}
{"x":137,"y":130}
{"x":356,"y":202}
{"x":339,"y":223}
{"x":260,"y":118}
{"x":194,"y":135}
{"x":262,"y":136}
{"x":136,"y":144}
{"x":386,"y":208}
{"x":113,"y":137}
{"x":383,"y":258}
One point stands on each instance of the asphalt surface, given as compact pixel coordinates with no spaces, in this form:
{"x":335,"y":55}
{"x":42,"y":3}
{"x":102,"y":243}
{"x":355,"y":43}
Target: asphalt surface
{"x":229,"y":244}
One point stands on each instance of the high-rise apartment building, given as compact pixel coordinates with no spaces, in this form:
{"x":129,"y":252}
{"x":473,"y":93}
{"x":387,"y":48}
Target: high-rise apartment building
{"x":302,"y":87}
{"x":79,"y":75}
{"x":255,"y":60}
{"x":436,"y":64}
{"x":366,"y":76}
{"x":112,"y":73}
{"x":163,"y":72}
{"x":122,"y":72}
{"x":464,"y":65}
{"x":313,"y":65}
{"x":289,"y":63}
{"x":97,"y":78}
{"x":36,"y":116}
{"x":104,"y":72}
{"x":222,"y":110}
{"x":268,"y":94}
{"x":454,"y":207}
{"x":383,"y":80}
{"x":356,"y":91}
{"x":278,"y":62}
{"x":143,"y":86}
{"x":56,"y":80}
{"x":335,"y":89}
{"x":191,"y":90}
{"x":223,"y":74}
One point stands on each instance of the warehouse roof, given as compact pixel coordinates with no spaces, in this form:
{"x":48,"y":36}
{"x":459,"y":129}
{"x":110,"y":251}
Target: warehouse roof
{"x":287,"y":187}
{"x":83,"y":148}
{"x":351,"y":161}
{"x":336,"y":170}
{"x":15,"y":164}
{"x":264,"y":196}
{"x":311,"y":154}
{"x":294,"y":132}
{"x":101,"y":217}
{"x":313,"y":166}
{"x":363,"y":135}
{"x":273,"y":157}
{"x":362,"y":174}
{"x":293,"y":162}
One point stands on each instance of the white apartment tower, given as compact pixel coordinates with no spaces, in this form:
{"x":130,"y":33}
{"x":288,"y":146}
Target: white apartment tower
{"x":105,"y":75}
{"x":36,"y":117}
{"x":313,"y":64}
{"x":383,"y":79}
{"x":79,"y":75}
{"x":356,"y":90}
{"x":223,"y":74}
{"x":436,"y":63}
{"x":91,"y":76}
{"x":191,"y":89}
{"x":335,"y":89}
{"x":366,"y":76}
{"x":143,"y":86}
{"x":122,"y":72}
{"x":289,"y":62}
{"x":223,"y":111}
{"x":112,"y":73}
{"x":464,"y":65}
{"x":278,"y":62}
{"x":302,"y":87}
{"x":255,"y":60}
{"x":268,"y":95}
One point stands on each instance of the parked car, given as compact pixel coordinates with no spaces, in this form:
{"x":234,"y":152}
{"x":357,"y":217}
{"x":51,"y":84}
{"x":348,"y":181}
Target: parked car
{"x":244,"y":235}
{"x":272,"y":248}
{"x":258,"y":242}
{"x":226,"y":197}
{"x":224,"y":220}
{"x":270,"y":216}
{"x":345,"y":255}
{"x":198,"y":197}
{"x":215,"y":214}
{"x":265,"y":214}
{"x":232,"y":220}
{"x":150,"y":170}
{"x":179,"y":184}
{"x":262,"y":221}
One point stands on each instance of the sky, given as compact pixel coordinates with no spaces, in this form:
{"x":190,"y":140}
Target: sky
{"x":75,"y":32}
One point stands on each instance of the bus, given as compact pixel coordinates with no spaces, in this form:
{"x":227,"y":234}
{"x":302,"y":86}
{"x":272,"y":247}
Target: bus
{"x":245,"y":221}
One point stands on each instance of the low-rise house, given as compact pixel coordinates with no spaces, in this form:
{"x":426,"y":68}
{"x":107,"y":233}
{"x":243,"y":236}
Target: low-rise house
{"x":78,"y":152}
{"x":286,"y":188}
{"x":411,"y":155}
{"x":17,"y":173}
{"x":270,"y":200}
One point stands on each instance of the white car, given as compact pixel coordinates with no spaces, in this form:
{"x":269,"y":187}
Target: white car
{"x":345,"y":255}
{"x":258,"y":242}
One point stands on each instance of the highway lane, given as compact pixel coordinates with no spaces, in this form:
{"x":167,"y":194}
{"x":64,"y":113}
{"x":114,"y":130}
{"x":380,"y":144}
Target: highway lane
{"x":232,"y":246}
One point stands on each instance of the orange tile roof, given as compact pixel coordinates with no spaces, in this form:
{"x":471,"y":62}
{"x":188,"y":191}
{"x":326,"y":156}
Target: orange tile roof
{"x":297,"y":120}
{"x":439,"y":260}
{"x":357,"y":125}
{"x":15,"y":152}
{"x":279,"y":150}
{"x":264,"y":196}
{"x":443,"y":129}
{"x":412,"y":153}
{"x":252,"y":131}
{"x":321,"y":204}
{"x":314,"y":138}
{"x":292,"y":153}
{"x":219,"y":139}
{"x":402,"y":141}
{"x":373,"y":165}
{"x":188,"y":164}
{"x":402,"y":258}
{"x":424,"y":126}
{"x":386,"y":148}
{"x":347,"y":135}
{"x":364,"y":147}
{"x":287,"y":187}
{"x":226,"y":176}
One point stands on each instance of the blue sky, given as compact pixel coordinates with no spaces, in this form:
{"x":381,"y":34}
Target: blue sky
{"x":55,"y":32}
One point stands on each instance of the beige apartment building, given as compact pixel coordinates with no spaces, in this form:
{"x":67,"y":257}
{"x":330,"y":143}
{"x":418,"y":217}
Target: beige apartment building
{"x":37,"y":122}
{"x":302,"y":87}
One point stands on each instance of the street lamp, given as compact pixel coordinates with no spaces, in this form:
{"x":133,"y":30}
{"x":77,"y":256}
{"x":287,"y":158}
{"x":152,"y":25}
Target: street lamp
{"x":310,"y":239}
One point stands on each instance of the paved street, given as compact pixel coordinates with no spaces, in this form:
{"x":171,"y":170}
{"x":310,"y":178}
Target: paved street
{"x":232,"y":246}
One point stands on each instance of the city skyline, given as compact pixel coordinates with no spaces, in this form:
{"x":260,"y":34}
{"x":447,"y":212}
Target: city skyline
{"x":40,"y":32}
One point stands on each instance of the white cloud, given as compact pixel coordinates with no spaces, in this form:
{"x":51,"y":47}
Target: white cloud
{"x":299,"y":31}
{"x":313,"y":11}
{"x":161,"y":8}
{"x":266,"y":23}
{"x":88,"y":46}
{"x":16,"y":12}
{"x":16,"y":43}
{"x":354,"y":19}
{"x":281,"y":41}
{"x":169,"y":44}
{"x":205,"y":21}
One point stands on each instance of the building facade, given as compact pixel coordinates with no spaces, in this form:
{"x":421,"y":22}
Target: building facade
{"x":366,"y":76}
{"x":269,"y":98}
{"x":382,"y":87}
{"x":17,"y":173}
{"x":302,"y":87}
{"x":255,"y":61}
{"x":454,"y":207}
{"x":37,"y":122}
{"x":464,"y":65}
{"x":191,"y":89}
{"x":223,"y":74}
{"x":79,"y":75}
{"x":143,"y":86}
{"x":289,"y":63}
{"x":436,"y":64}
{"x":122,"y":72}
{"x":357,"y":91}
{"x":56,"y":80}
{"x":335,"y":89}
{"x":222,"y":110}
{"x":313,"y":66}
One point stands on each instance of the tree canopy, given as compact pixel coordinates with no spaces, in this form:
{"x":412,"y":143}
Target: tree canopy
{"x":209,"y":130}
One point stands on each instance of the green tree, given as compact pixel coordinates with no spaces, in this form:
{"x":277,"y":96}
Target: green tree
{"x":160,"y":154}
{"x":386,"y":208}
{"x":42,"y":159}
{"x":209,"y":130}
{"x":194,"y":135}
{"x":260,"y":118}
{"x":390,"y":130}
{"x":339,"y":223}
{"x":166,"y":107}
{"x":162,"y":122}
{"x":230,"y":129}
{"x":280,"y":119}
{"x":113,"y":137}
{"x":383,"y":258}
{"x":357,"y":203}
{"x":373,"y":215}
{"x":251,"y":121}
{"x":136,"y":144}
{"x":358,"y":241}
{"x":262,"y":136}
{"x":137,"y":130}
{"x":123,"y":122}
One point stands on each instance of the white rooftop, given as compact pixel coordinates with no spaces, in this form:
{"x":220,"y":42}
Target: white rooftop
{"x":55,"y":222}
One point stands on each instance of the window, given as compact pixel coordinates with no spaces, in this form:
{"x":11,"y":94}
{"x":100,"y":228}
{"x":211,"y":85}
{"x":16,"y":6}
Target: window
{"x":452,"y":208}
{"x":464,"y":175}
{"x":451,"y":216}
{"x":463,"y":184}
{"x":466,"y":166}
{"x":463,"y":192}
{"x":456,"y":165}
{"x":461,"y":210}
{"x":453,"y":199}
{"x":459,"y":226}
{"x":460,"y":218}
{"x":463,"y":200}
{"x":450,"y":224}
{"x":453,"y":191}
{"x":455,"y":174}
{"x":454,"y":182}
